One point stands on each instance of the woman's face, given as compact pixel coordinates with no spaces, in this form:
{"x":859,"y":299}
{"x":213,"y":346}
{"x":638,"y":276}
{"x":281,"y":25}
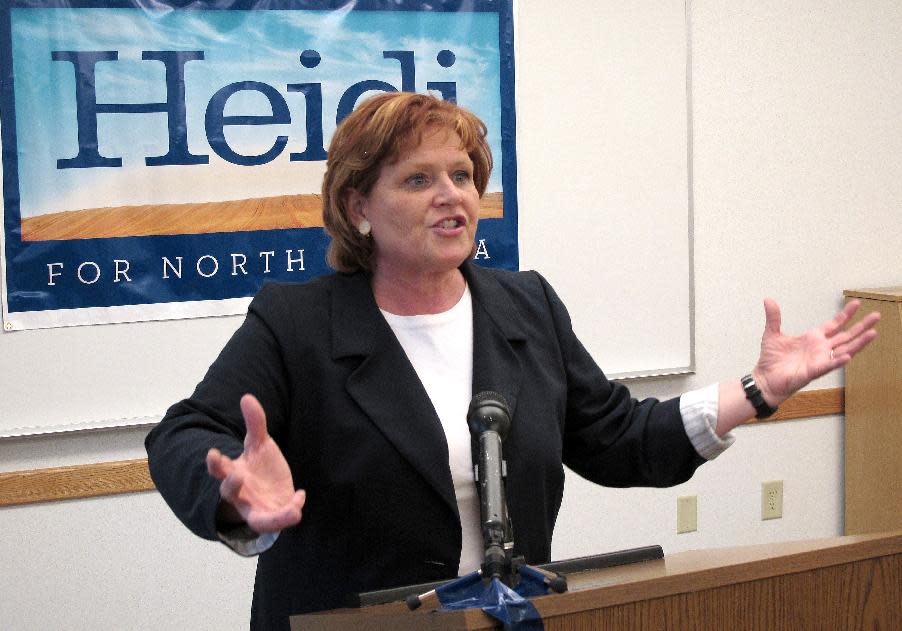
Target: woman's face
{"x":423,"y":209}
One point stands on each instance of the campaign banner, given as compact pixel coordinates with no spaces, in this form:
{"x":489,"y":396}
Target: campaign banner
{"x":164,"y":159}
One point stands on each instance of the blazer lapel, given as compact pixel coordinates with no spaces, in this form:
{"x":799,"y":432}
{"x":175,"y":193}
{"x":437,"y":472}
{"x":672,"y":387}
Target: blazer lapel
{"x":497,"y":332}
{"x":385,"y":384}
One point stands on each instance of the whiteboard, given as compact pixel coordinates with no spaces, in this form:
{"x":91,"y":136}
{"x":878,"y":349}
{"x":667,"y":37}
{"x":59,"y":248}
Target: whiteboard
{"x":604,"y":174}
{"x":604,"y":207}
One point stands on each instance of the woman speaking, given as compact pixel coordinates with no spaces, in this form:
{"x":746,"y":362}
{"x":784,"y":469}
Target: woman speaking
{"x":330,"y":435}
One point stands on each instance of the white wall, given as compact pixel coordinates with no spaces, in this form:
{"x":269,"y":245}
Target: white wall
{"x":798,"y":195}
{"x":797,"y":192}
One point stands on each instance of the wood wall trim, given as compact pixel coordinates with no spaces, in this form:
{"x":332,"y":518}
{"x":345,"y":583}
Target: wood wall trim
{"x":809,"y":404}
{"x":66,"y":483}
{"x":132,"y":476}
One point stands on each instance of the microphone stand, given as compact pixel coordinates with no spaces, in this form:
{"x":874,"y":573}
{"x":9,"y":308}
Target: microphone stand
{"x":490,"y":473}
{"x":489,"y":422}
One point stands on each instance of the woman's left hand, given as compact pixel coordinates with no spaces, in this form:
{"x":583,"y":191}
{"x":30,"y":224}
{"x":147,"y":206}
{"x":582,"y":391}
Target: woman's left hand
{"x":788,"y":363}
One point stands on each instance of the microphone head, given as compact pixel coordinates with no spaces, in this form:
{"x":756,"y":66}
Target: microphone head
{"x":489,"y":412}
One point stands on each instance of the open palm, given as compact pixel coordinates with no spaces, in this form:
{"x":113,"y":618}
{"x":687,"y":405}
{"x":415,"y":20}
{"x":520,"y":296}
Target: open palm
{"x":257,"y":486}
{"x":788,"y":363}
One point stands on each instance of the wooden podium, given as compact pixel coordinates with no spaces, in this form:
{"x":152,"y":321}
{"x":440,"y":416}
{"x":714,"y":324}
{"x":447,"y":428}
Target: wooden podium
{"x":843,"y":583}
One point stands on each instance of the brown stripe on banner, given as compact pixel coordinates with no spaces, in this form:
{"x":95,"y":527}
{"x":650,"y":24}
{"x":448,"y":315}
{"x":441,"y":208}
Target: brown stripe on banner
{"x":66,"y":483}
{"x":132,"y":476}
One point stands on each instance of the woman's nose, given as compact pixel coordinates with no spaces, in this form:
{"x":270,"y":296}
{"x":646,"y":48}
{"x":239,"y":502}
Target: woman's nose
{"x":447,"y":191}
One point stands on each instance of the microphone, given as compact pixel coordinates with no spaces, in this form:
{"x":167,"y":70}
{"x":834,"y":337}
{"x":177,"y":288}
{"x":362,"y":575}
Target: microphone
{"x":489,"y":421}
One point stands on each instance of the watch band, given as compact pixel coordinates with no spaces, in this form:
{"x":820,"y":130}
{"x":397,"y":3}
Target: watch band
{"x":753,"y":394}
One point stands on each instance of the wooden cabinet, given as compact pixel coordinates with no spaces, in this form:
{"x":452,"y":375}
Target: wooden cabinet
{"x":873,"y":420}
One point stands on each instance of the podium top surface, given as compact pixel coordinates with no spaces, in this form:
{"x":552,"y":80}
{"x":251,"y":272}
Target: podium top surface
{"x":678,"y":573}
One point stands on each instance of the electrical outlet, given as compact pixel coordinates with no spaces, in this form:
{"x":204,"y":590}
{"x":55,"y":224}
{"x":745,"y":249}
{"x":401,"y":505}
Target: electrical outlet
{"x":772,"y":499}
{"x":687,"y":514}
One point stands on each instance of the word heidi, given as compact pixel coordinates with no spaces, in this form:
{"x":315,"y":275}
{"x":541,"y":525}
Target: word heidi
{"x":205,"y":266}
{"x":89,"y":155}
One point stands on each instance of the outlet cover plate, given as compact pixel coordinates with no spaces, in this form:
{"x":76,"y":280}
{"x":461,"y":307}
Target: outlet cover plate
{"x":772,"y":499}
{"x":687,"y":514}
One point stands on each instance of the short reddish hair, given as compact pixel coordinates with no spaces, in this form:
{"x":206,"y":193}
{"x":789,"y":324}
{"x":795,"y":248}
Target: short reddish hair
{"x":375,"y":134}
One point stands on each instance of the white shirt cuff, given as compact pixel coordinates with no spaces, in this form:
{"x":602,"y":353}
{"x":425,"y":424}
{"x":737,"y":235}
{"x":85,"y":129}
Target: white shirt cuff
{"x":247,"y":542}
{"x":699,"y":411}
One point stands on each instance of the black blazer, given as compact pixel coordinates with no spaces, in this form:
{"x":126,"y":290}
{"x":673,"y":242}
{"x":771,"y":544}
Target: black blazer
{"x":361,"y":436}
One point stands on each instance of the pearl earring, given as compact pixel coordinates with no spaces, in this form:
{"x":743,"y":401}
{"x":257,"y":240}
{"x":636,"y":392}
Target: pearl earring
{"x":364,"y":228}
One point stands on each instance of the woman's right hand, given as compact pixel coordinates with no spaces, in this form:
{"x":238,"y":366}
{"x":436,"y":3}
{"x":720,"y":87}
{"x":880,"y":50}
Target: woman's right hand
{"x":256,"y":488}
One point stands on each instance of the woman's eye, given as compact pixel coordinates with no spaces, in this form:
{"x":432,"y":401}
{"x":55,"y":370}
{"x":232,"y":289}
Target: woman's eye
{"x":417,"y":181}
{"x":462,"y":176}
